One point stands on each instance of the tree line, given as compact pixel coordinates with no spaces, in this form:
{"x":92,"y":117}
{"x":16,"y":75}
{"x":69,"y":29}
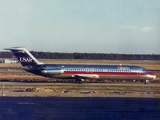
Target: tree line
{"x":93,"y":56}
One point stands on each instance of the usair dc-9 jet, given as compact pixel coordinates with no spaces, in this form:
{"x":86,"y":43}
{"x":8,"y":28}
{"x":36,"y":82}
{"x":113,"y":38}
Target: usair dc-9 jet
{"x":80,"y":72}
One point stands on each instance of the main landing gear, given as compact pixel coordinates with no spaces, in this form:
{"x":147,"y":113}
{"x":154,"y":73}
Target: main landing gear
{"x":146,"y":82}
{"x":79,"y":80}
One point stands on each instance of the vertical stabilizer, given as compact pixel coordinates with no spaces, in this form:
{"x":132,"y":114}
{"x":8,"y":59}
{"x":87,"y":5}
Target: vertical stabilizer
{"x":24,"y":56}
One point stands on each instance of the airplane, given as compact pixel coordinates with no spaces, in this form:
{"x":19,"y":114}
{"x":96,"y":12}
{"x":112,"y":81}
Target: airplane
{"x":80,"y":72}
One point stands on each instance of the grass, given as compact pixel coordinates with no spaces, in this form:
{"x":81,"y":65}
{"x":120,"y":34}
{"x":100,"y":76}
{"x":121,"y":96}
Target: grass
{"x":84,"y":88}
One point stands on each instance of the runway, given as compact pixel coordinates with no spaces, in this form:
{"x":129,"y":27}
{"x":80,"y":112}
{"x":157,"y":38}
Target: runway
{"x":75,"y":84}
{"x":71,"y":108}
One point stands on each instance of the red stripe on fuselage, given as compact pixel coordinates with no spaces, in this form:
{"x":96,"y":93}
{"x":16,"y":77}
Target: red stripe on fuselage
{"x":106,"y":73}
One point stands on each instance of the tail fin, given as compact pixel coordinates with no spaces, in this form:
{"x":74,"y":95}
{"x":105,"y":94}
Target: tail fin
{"x":24,"y":56}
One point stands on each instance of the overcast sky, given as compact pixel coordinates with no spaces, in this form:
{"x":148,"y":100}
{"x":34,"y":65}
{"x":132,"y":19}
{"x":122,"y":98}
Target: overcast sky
{"x":92,"y":26}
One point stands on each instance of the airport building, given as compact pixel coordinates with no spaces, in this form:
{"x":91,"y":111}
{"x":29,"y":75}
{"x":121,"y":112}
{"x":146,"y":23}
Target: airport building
{"x":8,"y":60}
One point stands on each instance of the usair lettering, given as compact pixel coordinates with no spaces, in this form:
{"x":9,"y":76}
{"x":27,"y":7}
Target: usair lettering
{"x":25,"y":59}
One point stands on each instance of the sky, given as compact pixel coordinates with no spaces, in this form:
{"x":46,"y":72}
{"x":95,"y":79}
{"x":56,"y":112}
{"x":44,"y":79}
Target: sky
{"x":91,"y":26}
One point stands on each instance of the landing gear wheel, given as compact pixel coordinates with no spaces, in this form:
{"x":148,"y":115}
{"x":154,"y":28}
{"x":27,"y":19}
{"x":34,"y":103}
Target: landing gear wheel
{"x":146,"y":82}
{"x":80,"y":82}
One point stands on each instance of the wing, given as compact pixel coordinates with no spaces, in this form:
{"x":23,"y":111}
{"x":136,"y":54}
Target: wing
{"x":86,"y":76}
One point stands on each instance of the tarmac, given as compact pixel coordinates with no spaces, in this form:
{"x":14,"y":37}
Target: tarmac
{"x":79,"y":108}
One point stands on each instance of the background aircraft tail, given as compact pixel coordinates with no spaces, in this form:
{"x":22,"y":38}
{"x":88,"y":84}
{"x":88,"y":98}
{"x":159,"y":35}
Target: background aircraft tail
{"x":24,"y":56}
